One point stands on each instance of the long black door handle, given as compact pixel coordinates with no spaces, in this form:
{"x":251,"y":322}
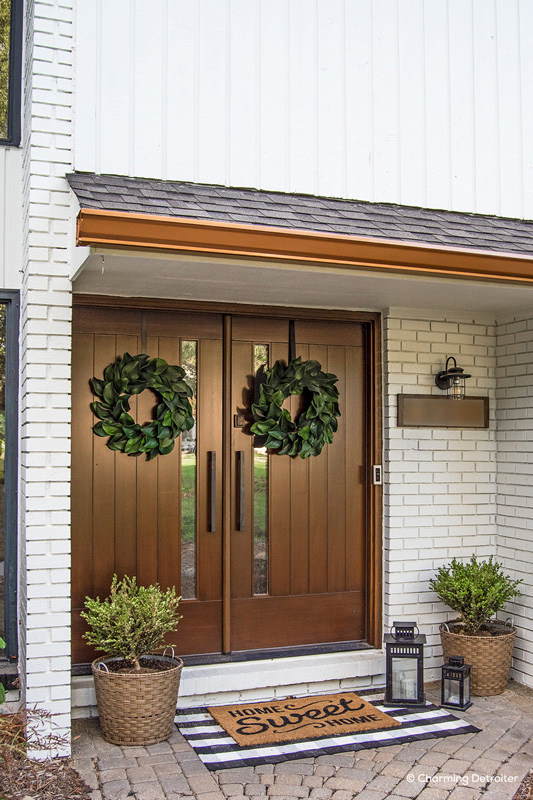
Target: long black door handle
{"x":240,"y":489}
{"x":212,"y":512}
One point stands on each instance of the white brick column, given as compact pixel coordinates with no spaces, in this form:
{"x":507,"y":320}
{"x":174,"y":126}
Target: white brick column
{"x":45,"y":361}
{"x":440,"y":484}
{"x":515,"y":477}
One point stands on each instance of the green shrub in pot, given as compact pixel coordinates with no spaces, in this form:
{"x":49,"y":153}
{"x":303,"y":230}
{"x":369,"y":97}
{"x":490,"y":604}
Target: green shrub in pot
{"x":476,"y":589}
{"x":132,"y":621}
{"x":136,"y":689}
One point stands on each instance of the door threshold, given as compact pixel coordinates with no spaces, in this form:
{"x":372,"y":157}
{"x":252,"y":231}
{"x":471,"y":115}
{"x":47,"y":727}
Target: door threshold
{"x":274,"y":652}
{"x":203,"y":659}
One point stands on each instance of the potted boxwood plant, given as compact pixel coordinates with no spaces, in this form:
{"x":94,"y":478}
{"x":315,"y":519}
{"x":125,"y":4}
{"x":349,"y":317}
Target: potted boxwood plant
{"x":478,"y":590}
{"x":136,"y":690}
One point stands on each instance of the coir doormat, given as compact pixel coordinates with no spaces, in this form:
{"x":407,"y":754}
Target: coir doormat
{"x":218,"y":750}
{"x":300,"y":718}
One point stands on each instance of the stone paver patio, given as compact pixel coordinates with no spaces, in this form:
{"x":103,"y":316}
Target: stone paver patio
{"x":488,"y":765}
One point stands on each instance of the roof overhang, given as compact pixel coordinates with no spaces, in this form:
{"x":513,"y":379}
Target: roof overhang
{"x":102,"y":228}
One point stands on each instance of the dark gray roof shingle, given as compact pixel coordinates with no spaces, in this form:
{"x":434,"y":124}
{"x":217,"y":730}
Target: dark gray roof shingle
{"x":304,"y":212}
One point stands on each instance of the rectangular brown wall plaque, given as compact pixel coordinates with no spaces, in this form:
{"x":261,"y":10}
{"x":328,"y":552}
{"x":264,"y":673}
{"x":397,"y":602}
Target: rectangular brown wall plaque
{"x":432,"y":411}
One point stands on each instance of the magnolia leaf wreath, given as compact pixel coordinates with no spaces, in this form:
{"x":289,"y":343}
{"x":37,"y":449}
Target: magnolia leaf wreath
{"x":317,"y":422}
{"x":132,"y":375}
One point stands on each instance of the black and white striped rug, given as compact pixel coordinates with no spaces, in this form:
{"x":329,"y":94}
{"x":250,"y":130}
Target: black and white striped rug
{"x":218,"y":750}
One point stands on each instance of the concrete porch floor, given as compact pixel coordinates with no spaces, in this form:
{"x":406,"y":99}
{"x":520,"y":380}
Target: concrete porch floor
{"x":488,"y":765}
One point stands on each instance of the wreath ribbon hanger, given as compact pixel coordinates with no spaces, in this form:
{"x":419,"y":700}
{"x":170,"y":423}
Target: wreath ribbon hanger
{"x":292,"y":341}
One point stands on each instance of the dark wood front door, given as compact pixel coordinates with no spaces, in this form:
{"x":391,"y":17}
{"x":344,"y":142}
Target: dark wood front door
{"x":267,"y":551}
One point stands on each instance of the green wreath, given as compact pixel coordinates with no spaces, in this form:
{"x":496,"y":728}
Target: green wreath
{"x":132,"y":375}
{"x":314,"y":426}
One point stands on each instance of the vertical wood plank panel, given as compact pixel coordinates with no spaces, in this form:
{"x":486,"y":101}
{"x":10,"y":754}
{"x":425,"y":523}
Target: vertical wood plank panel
{"x":461,"y":105}
{"x":359,"y":99}
{"x":386,"y":100}
{"x":212,"y":55}
{"x":125,"y":479}
{"x":115,"y":131}
{"x":331,"y":98}
{"x":302,"y":93}
{"x":83,"y":420}
{"x":273,"y":95}
{"x":486,"y":107}
{"x":336,"y":455}
{"x":437,"y":106}
{"x":209,"y":428}
{"x":147,"y":489}
{"x":169,"y":494}
{"x":318,"y":504}
{"x":243,"y":86}
{"x":87,"y":97}
{"x":181,"y":109}
{"x":299,"y":499}
{"x":149,"y":127}
{"x":411,"y":105}
{"x":279,"y":509}
{"x":509,"y":107}
{"x":242,"y":546}
{"x":227,"y":349}
{"x":526,"y":63}
{"x":103,"y":486}
{"x":356,"y":472}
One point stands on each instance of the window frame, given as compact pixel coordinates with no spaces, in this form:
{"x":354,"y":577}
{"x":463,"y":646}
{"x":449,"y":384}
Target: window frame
{"x":15,"y":76}
{"x":11,"y":299}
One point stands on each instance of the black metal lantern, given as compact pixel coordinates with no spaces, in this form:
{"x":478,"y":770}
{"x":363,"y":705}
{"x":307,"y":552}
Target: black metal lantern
{"x":452,"y":380}
{"x":404,"y":647}
{"x":455,"y":685}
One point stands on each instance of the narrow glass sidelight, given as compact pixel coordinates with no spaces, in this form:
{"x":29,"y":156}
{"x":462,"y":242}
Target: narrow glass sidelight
{"x":189,"y":362}
{"x":260,"y":495}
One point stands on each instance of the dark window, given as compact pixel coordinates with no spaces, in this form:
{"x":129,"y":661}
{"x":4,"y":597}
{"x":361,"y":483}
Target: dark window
{"x":9,"y":312}
{"x":10,"y":70}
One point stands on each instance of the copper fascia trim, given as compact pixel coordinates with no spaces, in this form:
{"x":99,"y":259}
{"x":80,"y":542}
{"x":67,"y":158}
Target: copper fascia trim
{"x":99,"y":227}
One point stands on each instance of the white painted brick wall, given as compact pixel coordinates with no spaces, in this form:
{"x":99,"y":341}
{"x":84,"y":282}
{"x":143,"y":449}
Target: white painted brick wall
{"x":440,"y":485}
{"x":514,"y":351}
{"x":45,"y":361}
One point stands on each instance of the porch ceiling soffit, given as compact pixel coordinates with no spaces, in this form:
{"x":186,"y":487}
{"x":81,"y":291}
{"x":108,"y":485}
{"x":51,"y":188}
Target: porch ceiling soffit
{"x":195,"y":218}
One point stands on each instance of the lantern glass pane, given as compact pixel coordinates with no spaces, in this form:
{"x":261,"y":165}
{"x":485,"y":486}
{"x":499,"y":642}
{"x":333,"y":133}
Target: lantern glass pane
{"x":452,"y":691}
{"x":404,"y":678}
{"x":456,"y":388}
{"x":466,"y":697}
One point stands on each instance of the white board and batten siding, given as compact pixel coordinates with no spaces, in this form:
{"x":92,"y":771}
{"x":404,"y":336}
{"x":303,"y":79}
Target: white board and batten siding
{"x":10,"y":217}
{"x":419,"y":102}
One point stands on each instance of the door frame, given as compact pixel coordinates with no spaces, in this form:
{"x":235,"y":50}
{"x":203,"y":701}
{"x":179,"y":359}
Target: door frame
{"x":371,"y":322}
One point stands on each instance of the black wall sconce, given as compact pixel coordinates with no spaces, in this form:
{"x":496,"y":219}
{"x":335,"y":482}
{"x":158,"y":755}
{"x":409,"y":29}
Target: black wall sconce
{"x":452,"y":380}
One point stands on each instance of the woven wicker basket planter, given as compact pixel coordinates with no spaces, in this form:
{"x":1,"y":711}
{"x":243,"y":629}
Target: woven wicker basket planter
{"x":490,"y":657}
{"x":137,"y":709}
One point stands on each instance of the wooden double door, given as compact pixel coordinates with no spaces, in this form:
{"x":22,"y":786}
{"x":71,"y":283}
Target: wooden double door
{"x":267,"y":551}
